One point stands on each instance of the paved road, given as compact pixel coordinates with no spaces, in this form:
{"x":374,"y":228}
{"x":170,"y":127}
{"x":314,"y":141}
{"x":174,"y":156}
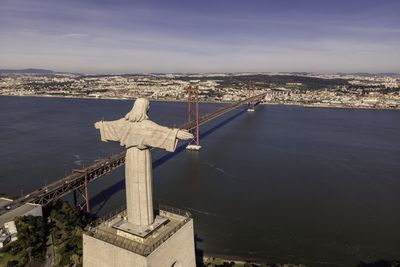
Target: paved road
{"x":49,"y":252}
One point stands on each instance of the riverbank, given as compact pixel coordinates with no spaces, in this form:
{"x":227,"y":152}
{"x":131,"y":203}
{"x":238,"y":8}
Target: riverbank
{"x":118,"y":98}
{"x":7,"y":196}
{"x":298,"y":104}
{"x":211,"y":261}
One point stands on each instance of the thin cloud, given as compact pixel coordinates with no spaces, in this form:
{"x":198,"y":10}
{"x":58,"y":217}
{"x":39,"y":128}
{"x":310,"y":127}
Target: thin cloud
{"x":75,"y":35}
{"x":139,"y":36}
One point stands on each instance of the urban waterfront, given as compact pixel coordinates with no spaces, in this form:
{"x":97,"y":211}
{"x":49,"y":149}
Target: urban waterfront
{"x":283,"y":184}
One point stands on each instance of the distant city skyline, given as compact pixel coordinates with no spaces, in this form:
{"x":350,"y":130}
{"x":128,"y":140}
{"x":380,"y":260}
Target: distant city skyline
{"x":104,"y":36}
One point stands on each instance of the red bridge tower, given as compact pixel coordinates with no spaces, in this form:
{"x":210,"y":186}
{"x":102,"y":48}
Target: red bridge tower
{"x":193,"y":111}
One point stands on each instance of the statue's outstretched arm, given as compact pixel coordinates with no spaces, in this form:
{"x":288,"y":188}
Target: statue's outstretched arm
{"x":184,"y":135}
{"x":110,"y":130}
{"x":97,"y":125}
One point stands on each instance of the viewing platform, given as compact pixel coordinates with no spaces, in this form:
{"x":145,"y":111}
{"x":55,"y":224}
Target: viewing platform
{"x":106,"y":244}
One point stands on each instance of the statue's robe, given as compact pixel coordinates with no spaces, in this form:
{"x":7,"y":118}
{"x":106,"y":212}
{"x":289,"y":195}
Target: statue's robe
{"x":138,"y":137}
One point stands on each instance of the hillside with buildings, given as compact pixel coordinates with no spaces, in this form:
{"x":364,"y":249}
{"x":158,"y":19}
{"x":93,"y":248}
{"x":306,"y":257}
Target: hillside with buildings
{"x":308,"y":89}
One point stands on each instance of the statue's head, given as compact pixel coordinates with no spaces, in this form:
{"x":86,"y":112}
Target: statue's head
{"x":139,"y":110}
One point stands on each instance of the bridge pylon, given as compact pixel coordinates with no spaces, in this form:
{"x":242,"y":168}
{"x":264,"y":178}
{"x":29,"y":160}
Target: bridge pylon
{"x":250,"y":93}
{"x":83,"y":192}
{"x":193,"y":111}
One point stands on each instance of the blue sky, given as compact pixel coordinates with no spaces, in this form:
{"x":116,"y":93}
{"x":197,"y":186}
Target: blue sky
{"x":113,"y":36}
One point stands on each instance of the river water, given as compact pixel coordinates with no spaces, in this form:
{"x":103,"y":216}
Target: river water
{"x":282,"y":184}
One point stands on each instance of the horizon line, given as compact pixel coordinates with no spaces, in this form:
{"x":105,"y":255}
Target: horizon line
{"x":192,"y":72}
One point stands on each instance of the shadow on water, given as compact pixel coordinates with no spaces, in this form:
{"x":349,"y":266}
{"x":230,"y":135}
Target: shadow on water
{"x":181,"y":148}
{"x":223,"y":123}
{"x":199,"y":252}
{"x":168,"y":156}
{"x":102,"y":197}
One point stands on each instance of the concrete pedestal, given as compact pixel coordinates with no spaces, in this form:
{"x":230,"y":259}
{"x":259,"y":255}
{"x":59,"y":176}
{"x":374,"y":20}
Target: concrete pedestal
{"x":193,"y":147}
{"x":171,"y":245}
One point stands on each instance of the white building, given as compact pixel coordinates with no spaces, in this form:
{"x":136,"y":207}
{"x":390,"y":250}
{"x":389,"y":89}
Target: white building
{"x":4,"y":238}
{"x":8,"y":229}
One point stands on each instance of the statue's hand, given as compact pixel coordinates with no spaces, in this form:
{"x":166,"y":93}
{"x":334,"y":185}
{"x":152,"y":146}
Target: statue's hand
{"x":184,"y":135}
{"x":97,"y":125}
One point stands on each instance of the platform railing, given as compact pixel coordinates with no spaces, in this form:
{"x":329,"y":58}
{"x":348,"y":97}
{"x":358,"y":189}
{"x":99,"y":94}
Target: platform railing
{"x":174,"y":210}
{"x":125,"y":243}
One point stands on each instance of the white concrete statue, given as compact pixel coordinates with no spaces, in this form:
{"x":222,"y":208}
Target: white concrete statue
{"x":137,"y":133}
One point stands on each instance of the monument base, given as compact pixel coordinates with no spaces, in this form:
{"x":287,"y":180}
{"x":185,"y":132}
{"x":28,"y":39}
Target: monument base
{"x":138,"y":233}
{"x":171,"y":244}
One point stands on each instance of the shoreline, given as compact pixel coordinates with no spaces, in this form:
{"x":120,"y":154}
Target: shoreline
{"x":324,"y":106}
{"x":241,"y":260}
{"x":116,"y":98}
{"x":329,"y":106}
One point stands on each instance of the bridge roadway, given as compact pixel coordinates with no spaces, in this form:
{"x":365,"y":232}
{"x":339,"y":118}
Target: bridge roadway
{"x":79,"y":178}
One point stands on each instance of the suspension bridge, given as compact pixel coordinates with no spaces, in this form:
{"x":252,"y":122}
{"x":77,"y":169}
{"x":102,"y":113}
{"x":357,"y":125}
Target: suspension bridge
{"x":79,"y":179}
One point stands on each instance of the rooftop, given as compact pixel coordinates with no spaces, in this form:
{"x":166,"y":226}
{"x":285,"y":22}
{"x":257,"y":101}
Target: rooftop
{"x":17,"y":212}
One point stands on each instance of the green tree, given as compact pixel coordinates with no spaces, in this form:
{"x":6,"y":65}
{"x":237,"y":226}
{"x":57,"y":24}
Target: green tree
{"x":31,"y":237}
{"x":66,"y":228}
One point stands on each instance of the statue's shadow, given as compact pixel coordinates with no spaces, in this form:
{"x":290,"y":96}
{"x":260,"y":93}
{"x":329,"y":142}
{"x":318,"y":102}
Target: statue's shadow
{"x":100,"y":199}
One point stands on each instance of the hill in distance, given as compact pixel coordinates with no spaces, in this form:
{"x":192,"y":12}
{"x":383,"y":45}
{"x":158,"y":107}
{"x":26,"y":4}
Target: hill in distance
{"x":27,"y":71}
